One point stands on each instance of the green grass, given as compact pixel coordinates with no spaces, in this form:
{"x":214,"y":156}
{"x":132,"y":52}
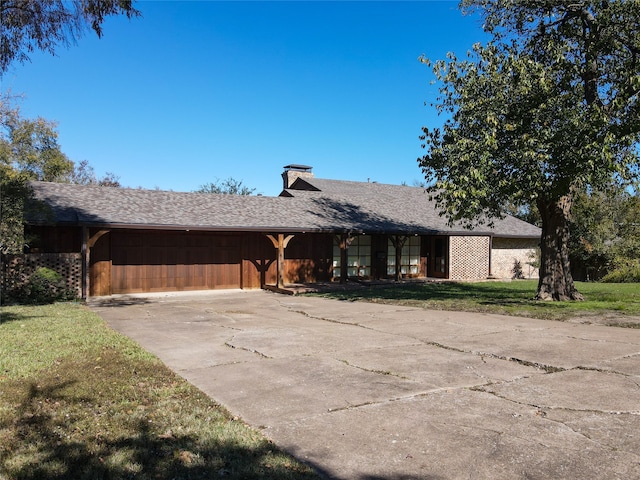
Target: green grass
{"x":80,"y":401}
{"x":607,"y":303}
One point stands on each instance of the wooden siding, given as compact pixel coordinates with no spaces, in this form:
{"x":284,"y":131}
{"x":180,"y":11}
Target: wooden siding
{"x":169,"y":261}
{"x":45,"y":239}
{"x":309,"y":258}
{"x":258,"y":261}
{"x":100,"y":267}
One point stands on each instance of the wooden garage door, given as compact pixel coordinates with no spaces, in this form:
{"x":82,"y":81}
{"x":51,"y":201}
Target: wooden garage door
{"x":174,"y":261}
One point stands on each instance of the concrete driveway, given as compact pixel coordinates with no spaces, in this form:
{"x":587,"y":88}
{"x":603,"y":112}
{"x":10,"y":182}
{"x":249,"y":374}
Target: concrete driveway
{"x":366,"y":391}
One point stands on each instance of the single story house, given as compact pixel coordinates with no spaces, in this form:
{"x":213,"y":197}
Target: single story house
{"x":317,"y":230}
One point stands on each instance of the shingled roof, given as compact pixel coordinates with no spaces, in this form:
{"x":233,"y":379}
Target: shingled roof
{"x":312,"y":205}
{"x":399,"y":204}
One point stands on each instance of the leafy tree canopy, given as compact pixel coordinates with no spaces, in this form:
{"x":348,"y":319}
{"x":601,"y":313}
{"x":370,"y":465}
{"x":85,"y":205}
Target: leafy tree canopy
{"x":29,"y":25}
{"x":29,"y":150}
{"x":230,"y":186}
{"x":605,"y":232}
{"x":549,"y":107}
{"x":29,"y":147}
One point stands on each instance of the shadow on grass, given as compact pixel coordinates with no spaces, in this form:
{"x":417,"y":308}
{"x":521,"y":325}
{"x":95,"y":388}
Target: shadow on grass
{"x":489,"y":293}
{"x":9,"y":316}
{"x":6,"y":317}
{"x":45,"y":447}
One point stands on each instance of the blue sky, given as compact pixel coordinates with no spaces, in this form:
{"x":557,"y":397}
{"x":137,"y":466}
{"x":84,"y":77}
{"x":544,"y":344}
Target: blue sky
{"x":197,"y":91}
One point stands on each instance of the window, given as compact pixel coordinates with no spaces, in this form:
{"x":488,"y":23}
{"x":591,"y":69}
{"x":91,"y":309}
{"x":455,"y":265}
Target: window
{"x":410,"y":260}
{"x":358,"y":257}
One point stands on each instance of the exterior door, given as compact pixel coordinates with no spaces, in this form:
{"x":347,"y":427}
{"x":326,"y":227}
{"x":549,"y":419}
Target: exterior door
{"x":438,"y":257}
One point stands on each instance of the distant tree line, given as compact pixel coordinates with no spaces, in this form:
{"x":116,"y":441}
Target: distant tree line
{"x":230,"y":186}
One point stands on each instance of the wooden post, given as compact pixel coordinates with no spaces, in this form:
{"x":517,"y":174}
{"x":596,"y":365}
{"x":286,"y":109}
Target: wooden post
{"x":398,"y":241}
{"x":280,"y":243}
{"x":344,"y":240}
{"x":87,"y":245}
{"x":344,"y":268}
{"x":85,"y":262}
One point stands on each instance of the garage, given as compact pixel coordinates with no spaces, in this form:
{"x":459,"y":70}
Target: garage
{"x":143,"y":261}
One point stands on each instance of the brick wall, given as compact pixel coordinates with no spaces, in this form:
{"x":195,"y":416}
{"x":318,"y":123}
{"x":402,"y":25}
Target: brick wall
{"x":468,"y":257}
{"x":505,"y":253}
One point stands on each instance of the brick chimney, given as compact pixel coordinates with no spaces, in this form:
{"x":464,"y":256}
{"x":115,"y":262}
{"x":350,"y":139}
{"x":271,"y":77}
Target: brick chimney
{"x":291,"y":172}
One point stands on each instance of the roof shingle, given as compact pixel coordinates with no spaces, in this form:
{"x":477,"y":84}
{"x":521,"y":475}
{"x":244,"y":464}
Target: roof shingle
{"x":338,"y":206}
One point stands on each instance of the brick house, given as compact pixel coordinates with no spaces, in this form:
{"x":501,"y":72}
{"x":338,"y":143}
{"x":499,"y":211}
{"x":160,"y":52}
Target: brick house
{"x":316,"y":230}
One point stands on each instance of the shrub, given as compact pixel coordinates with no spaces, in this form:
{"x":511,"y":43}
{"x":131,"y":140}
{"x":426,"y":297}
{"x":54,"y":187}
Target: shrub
{"x":43,"y":286}
{"x":516,"y":271}
{"x":625,"y":274}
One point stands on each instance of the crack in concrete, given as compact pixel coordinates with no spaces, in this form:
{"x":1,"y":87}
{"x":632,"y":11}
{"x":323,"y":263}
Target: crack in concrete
{"x":250,"y":350}
{"x":371,"y":370}
{"x":332,"y":320}
{"x":526,"y":363}
{"x":425,"y":393}
{"x":592,"y":440}
{"x":606,"y":370}
{"x":480,"y":388}
{"x":539,"y":366}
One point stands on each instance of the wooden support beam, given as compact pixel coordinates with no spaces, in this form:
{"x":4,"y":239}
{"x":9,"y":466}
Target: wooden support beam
{"x":95,"y":237}
{"x":344,"y":240}
{"x":262,"y":266}
{"x":85,"y":262}
{"x":280,"y":243}
{"x":398,"y":242}
{"x":87,"y":245}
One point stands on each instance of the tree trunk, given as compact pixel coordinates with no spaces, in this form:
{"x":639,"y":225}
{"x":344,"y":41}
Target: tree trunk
{"x":556,"y":281}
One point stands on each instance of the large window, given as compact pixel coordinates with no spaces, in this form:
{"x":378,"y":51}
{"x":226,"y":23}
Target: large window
{"x":410,"y":260}
{"x":358,"y":257}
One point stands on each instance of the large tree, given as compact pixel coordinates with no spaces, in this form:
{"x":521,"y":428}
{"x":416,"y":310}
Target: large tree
{"x":28,"y":25}
{"x":547,"y":108}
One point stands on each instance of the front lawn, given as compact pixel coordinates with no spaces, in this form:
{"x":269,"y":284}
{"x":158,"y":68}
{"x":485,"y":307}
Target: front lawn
{"x":80,"y":401}
{"x":608,"y":303}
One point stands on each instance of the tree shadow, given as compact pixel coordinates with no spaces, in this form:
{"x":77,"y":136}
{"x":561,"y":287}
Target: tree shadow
{"x":341,"y":215}
{"x":49,"y":452}
{"x":7,"y":316}
{"x":117,"y":301}
{"x":42,"y":445}
{"x":440,"y":291}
